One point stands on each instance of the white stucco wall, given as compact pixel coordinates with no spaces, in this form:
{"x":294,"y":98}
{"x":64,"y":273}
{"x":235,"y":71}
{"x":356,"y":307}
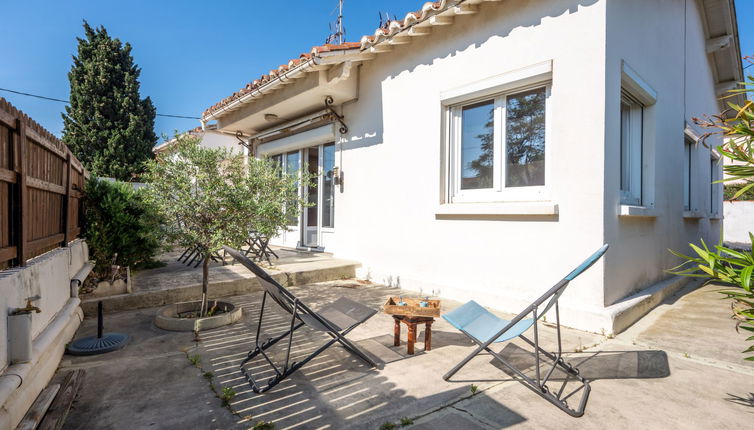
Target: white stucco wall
{"x":386,"y":215}
{"x":388,"y":210}
{"x":213,"y":139}
{"x":47,"y":276}
{"x":739,"y":221}
{"x":649,"y":36}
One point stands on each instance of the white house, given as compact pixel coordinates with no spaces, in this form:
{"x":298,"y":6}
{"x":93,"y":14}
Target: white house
{"x":208,"y":137}
{"x":482,"y":149}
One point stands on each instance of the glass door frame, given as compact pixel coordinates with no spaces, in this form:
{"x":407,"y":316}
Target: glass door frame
{"x":300,"y":230}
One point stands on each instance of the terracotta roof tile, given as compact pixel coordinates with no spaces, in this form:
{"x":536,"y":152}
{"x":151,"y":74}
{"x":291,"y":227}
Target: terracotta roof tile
{"x":381,"y":34}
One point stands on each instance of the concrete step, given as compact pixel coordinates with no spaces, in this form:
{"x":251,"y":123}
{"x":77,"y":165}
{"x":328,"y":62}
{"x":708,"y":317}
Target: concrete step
{"x":224,"y":281}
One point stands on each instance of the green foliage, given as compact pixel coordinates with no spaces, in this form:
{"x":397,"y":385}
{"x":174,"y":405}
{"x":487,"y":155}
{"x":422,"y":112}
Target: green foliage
{"x":195,"y":360}
{"x":725,"y":265}
{"x":120,"y":225}
{"x":213,"y":197}
{"x":107,"y":125}
{"x":473,"y":388}
{"x":387,"y":426}
{"x":733,"y":192}
{"x":209,"y":375}
{"x":406,"y":421}
{"x":263,"y":425}
{"x":227,"y":395}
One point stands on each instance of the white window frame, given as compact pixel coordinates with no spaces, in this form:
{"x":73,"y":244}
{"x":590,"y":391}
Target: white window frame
{"x":641,"y":201}
{"x":499,"y":192}
{"x":632,"y":160}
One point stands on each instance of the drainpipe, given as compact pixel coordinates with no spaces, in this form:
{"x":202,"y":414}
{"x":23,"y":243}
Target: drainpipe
{"x":79,"y":278}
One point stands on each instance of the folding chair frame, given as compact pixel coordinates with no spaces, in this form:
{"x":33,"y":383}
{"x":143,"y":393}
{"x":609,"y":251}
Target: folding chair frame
{"x":539,"y":384}
{"x":297,"y":310}
{"x":288,"y":368}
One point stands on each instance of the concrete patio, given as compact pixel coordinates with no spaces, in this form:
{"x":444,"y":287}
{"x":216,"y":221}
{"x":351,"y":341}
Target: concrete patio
{"x":678,"y":367}
{"x":178,"y":282}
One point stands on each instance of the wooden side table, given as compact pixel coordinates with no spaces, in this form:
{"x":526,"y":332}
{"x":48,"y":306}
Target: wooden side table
{"x":411,"y":322}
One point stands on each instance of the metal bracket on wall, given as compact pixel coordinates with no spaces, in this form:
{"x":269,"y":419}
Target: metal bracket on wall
{"x":334,"y":116}
{"x":239,"y":136}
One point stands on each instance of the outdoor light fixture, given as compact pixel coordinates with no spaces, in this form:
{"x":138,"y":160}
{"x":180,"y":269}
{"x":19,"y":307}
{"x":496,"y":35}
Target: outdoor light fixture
{"x":270,"y":117}
{"x":336,"y":175}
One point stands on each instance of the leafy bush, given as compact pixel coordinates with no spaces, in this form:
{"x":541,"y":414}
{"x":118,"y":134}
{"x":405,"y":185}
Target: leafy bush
{"x":730,"y":191}
{"x":121,"y":228}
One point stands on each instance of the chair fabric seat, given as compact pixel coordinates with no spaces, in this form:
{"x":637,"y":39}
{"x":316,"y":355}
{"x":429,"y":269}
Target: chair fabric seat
{"x":482,"y":324}
{"x":342,"y":314}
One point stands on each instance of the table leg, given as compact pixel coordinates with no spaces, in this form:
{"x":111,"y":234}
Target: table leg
{"x":428,"y":336}
{"x":397,"y":332}
{"x":411,"y":337}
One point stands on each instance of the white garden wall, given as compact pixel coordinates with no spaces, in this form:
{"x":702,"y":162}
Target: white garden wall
{"x":48,"y":276}
{"x":739,"y":221}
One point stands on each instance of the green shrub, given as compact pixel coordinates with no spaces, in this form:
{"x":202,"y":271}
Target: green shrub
{"x":121,"y":228}
{"x":730,"y":191}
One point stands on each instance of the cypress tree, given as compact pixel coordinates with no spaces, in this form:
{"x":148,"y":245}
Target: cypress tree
{"x":107,"y":125}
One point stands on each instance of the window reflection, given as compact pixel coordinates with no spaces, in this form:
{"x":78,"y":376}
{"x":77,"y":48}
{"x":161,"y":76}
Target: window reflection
{"x":525,"y":139}
{"x":292,"y":167}
{"x":328,"y":186}
{"x":477,"y":145}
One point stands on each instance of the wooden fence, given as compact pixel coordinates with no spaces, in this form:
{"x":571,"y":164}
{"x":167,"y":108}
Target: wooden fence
{"x":41,"y":185}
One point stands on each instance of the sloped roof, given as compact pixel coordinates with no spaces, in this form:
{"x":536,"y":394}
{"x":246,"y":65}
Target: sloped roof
{"x":367,"y":42}
{"x":419,"y":23}
{"x":274,"y":73}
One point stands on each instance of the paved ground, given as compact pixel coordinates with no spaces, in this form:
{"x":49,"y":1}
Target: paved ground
{"x":678,"y":367}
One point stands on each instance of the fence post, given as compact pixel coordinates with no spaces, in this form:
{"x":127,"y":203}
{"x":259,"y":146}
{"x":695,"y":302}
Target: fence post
{"x":67,"y":203}
{"x":23,"y":196}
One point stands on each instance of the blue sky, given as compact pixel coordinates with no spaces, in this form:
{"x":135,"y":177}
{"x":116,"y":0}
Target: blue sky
{"x":191,"y":54}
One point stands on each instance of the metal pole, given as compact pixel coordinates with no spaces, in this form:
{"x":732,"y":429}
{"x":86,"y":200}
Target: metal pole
{"x":99,"y":320}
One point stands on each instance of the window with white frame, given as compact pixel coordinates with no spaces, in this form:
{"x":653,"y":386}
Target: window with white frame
{"x":631,"y":150}
{"x":715,"y":187}
{"x":497,"y":146}
{"x":688,"y":171}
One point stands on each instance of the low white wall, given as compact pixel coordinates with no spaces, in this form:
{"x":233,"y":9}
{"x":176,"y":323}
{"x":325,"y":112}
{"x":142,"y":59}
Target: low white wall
{"x":48,"y":276}
{"x":739,"y":221}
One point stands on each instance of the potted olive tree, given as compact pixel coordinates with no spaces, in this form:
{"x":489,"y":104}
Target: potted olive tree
{"x":215,"y":197}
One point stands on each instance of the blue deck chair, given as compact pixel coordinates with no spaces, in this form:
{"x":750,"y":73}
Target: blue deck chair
{"x":336,"y":319}
{"x":484,"y":328}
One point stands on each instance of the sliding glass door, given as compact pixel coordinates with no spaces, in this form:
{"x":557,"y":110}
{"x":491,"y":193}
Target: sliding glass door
{"x":306,"y":229}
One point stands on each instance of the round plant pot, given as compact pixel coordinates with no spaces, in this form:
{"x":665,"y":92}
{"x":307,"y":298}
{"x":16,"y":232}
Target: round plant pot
{"x":167,"y":317}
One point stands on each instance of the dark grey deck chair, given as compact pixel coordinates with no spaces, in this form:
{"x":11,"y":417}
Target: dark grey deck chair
{"x":484,"y":328}
{"x":336,"y":319}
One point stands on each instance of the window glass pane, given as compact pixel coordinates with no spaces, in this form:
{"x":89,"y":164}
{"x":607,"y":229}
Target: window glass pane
{"x":328,"y":186}
{"x":714,"y":176}
{"x":312,"y":165}
{"x":630,"y":151}
{"x":292,"y":167}
{"x":625,"y":147}
{"x":477,"y":145}
{"x":687,"y":151}
{"x":525,"y":139}
{"x":277,"y":161}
